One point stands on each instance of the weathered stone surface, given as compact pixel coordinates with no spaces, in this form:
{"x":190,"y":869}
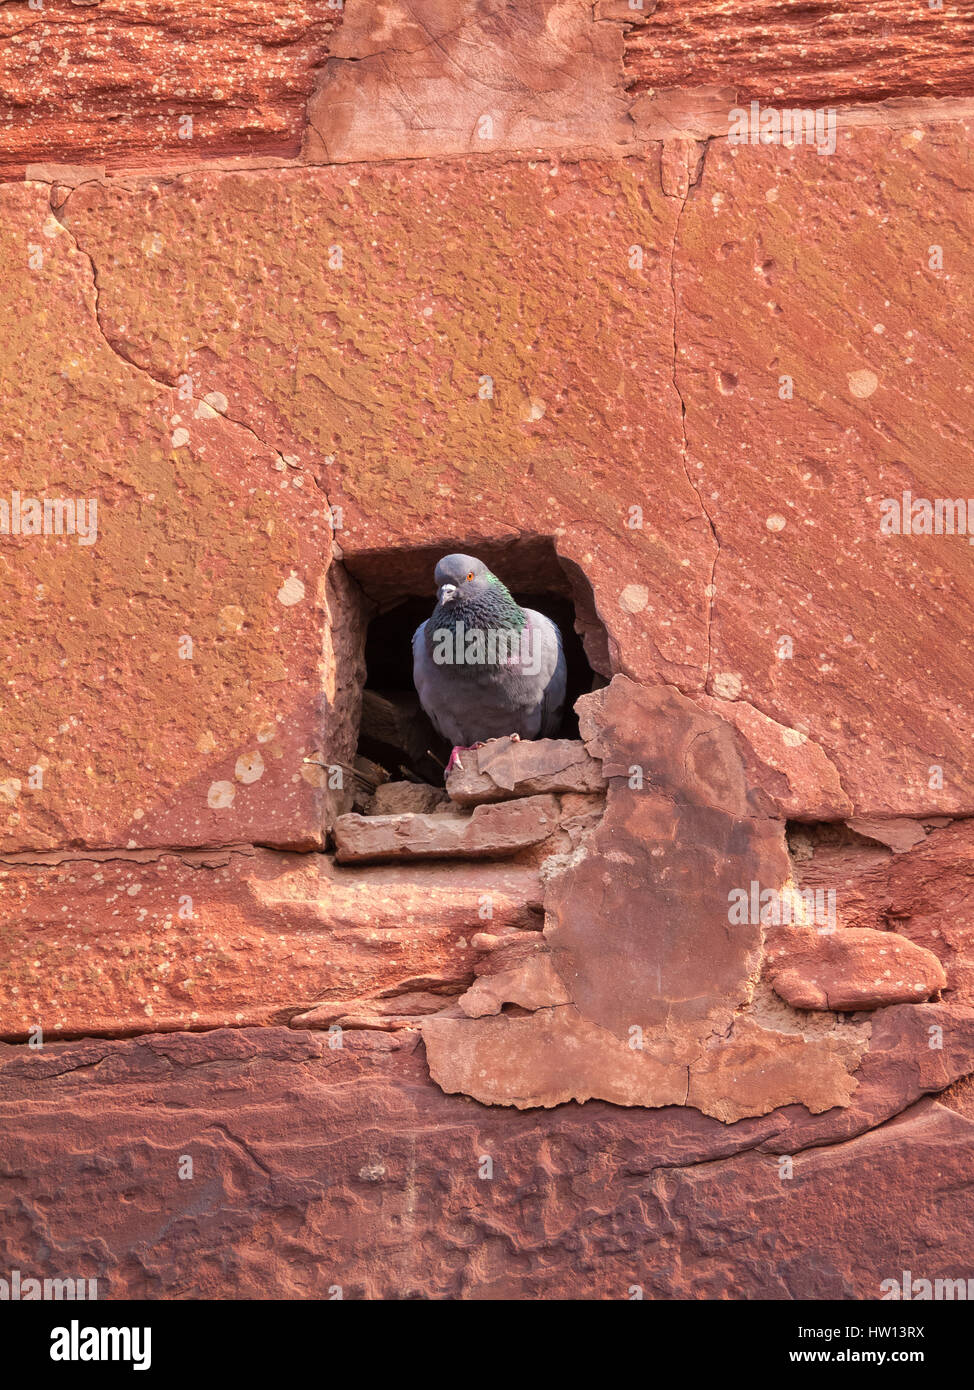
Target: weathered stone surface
{"x":315,"y":1166}
{"x":346,"y":367}
{"x":658,"y":982}
{"x":396,"y":798}
{"x":849,"y":969}
{"x":163,"y":684}
{"x":114,"y":83}
{"x":774,"y":247}
{"x":674,"y":389}
{"x":422,"y":454}
{"x":927,"y":894}
{"x":787,"y":1228}
{"x":781,"y":55}
{"x":447,"y":77}
{"x":639,"y":928}
{"x":914,"y":1050}
{"x":103,"y":85}
{"x":108,"y":946}
{"x":402,"y":1011}
{"x":518,"y":970}
{"x":505,"y":768}
{"x":795,"y":774}
{"x":489,"y":832}
{"x":555,"y":1054}
{"x":898,"y":832}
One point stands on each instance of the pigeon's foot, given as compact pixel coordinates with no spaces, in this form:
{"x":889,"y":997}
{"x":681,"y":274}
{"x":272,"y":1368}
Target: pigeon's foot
{"x":455,"y":756}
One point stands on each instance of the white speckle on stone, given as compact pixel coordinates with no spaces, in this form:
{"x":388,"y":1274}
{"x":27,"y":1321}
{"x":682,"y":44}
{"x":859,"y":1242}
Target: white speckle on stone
{"x":291,"y":591}
{"x":180,"y":437}
{"x":266,"y":732}
{"x":217,"y":401}
{"x":249,"y":768}
{"x":776,"y":522}
{"x":728,"y":685}
{"x":10,"y":790}
{"x":231,"y":618}
{"x":863,"y":383}
{"x":220,"y":795}
{"x":205,"y":412}
{"x":793,"y":738}
{"x":634,"y":598}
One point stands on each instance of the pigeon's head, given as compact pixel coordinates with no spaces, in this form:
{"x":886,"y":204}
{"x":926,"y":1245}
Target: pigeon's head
{"x":461,"y":577}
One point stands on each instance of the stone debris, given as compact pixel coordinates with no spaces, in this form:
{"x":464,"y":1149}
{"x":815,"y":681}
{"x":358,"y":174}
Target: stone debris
{"x":489,"y":832}
{"x":505,"y":768}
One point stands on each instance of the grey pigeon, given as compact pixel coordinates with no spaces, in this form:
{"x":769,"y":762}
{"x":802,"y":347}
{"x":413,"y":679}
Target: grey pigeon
{"x":484,"y":667}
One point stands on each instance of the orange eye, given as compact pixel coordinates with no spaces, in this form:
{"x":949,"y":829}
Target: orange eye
{"x":470,"y":576}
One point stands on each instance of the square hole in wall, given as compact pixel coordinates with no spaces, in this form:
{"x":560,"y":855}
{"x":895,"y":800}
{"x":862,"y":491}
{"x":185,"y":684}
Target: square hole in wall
{"x":400,"y":593}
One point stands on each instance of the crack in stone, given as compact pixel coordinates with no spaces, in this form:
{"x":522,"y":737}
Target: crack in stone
{"x":160,"y":382}
{"x":757,"y":708}
{"x":927,"y":110}
{"x":54,"y":858}
{"x":239,"y":1143}
{"x":693,"y":182}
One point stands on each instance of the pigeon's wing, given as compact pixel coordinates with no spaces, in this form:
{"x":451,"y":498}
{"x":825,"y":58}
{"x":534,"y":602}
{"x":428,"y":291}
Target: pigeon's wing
{"x":421,"y":675}
{"x":553,"y":674}
{"x":429,"y":687}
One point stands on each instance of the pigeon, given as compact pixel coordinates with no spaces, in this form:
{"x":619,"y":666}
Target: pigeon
{"x":484,"y":667}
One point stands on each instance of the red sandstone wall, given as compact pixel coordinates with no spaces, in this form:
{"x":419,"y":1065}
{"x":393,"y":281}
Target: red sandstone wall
{"x":259,"y":261}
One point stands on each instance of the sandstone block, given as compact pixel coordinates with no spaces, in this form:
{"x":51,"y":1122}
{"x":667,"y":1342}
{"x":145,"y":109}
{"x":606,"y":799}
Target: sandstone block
{"x":504,"y":768}
{"x":490,"y":832}
{"x":852,"y":968}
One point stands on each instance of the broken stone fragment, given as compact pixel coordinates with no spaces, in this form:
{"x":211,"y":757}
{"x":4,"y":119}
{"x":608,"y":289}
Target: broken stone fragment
{"x":505,"y":768}
{"x":490,"y":832}
{"x":395,"y":798}
{"x":366,"y":780}
{"x":898,"y":833}
{"x":399,"y":1011}
{"x":555,"y":1054}
{"x":854,"y":968}
{"x":531,"y":983}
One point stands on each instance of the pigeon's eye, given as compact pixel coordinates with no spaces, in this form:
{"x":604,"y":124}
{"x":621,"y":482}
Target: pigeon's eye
{"x":470,"y":576}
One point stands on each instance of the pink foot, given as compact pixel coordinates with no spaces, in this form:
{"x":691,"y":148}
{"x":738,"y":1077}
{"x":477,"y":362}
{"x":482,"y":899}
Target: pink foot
{"x":454,"y":760}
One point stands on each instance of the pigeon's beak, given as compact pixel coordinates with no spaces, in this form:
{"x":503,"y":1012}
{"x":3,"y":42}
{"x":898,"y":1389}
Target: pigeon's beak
{"x":447,"y":593}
